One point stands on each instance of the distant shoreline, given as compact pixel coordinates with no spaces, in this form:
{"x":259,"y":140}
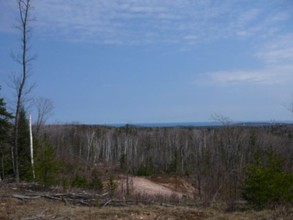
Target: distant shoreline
{"x":188,"y":124}
{"x":204,"y":124}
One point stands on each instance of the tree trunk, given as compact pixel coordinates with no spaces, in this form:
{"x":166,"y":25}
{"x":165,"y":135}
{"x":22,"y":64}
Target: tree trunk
{"x":24,"y":7}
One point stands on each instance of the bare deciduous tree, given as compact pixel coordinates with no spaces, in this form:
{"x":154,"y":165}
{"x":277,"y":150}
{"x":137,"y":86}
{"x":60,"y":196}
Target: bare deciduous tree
{"x":24,"y":7}
{"x":45,"y":109}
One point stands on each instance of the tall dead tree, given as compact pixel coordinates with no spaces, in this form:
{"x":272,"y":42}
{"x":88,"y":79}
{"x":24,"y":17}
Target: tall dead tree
{"x":24,"y":8}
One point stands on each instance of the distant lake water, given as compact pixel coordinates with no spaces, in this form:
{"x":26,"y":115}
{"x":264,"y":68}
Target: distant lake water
{"x":204,"y":124}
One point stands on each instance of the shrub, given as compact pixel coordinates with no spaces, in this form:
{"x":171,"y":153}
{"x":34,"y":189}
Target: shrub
{"x":47,"y":165}
{"x":266,"y":183}
{"x":144,"y":171}
{"x":96,"y":182}
{"x":112,"y":185}
{"x":79,"y":181}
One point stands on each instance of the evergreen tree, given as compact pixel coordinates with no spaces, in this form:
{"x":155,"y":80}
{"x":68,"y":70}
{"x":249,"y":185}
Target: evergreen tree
{"x":5,"y":130}
{"x":25,"y":170}
{"x":47,"y":165}
{"x":5,"y":125}
{"x":267,"y":183}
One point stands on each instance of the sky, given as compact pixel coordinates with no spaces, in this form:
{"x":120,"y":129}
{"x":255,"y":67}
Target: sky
{"x":155,"y":61}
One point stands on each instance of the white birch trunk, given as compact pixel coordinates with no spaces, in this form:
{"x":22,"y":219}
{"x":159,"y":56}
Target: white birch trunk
{"x":31,"y":146}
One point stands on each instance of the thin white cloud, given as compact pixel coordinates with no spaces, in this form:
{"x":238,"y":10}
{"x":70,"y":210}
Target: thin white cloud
{"x":266,"y":76}
{"x":278,"y":51}
{"x":238,"y":77}
{"x":277,"y":58}
{"x":151,"y":21}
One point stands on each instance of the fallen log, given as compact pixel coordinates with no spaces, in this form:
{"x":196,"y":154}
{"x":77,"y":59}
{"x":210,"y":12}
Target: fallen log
{"x":25,"y":197}
{"x":90,"y":199}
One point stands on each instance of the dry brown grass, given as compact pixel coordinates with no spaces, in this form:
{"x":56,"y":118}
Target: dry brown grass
{"x":11,"y":208}
{"x":42,"y":208}
{"x":46,"y":209}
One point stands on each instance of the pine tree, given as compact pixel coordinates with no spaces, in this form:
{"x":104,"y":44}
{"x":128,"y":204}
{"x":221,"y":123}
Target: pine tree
{"x":5,"y":125}
{"x":24,"y":147}
{"x":5,"y":131}
{"x":267,"y":184}
{"x":47,"y":165}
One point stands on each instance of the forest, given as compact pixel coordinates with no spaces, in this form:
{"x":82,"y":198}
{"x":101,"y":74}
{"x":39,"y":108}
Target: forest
{"x":218,"y":161}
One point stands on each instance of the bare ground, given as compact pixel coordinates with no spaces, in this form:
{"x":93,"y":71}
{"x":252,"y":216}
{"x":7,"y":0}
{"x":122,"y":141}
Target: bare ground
{"x":166,"y":186}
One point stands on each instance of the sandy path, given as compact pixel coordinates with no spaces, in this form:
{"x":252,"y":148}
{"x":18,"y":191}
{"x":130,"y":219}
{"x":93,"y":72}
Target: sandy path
{"x":141,"y":185}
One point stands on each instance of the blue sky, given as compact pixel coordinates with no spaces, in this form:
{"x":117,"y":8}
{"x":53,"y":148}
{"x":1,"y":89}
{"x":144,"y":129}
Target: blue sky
{"x":132,"y":61}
